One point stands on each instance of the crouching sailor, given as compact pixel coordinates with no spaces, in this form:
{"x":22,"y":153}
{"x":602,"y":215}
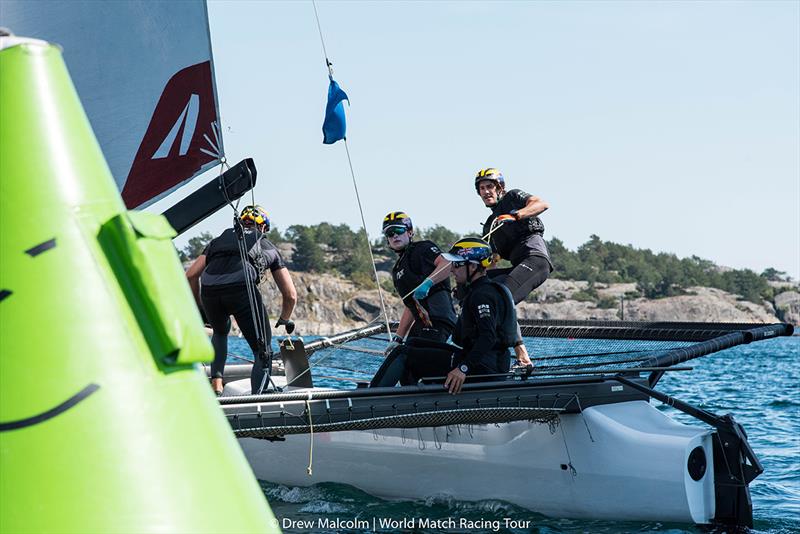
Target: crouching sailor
{"x":230,"y":287}
{"x":487,"y":326}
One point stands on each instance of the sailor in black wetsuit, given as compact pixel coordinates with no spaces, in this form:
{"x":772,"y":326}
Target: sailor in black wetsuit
{"x":485,"y":330}
{"x":421,"y":278}
{"x":487,"y":326}
{"x":224,"y":291}
{"x":515,"y":233}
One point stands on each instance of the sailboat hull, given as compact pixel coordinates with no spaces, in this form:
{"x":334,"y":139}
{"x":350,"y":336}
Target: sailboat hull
{"x":623,"y":461}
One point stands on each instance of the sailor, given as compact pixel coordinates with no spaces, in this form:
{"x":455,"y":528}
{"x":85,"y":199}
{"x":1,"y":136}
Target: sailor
{"x":487,"y":326}
{"x":485,"y":330}
{"x":225,"y":286}
{"x":421,"y":277}
{"x":515,"y":233}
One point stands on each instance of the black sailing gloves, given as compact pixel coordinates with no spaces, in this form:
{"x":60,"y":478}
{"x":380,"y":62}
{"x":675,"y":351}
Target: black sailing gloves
{"x":288,"y":323}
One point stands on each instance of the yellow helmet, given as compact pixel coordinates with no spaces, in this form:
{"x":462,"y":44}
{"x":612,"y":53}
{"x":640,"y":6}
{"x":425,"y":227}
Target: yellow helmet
{"x":398,"y":220}
{"x":470,"y":249}
{"x":255,"y":215}
{"x":490,"y":174}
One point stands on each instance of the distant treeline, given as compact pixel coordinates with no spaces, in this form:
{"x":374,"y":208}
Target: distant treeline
{"x":337,"y":248}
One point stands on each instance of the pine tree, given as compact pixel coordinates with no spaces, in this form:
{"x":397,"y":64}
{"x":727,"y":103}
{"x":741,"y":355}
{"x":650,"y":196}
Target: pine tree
{"x":307,"y":255}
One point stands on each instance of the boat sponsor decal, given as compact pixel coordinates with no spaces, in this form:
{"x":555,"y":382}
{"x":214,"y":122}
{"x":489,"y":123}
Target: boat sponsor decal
{"x":4,"y":293}
{"x":52,"y":412}
{"x":616,"y":388}
{"x":182,"y":137}
{"x":41,"y":247}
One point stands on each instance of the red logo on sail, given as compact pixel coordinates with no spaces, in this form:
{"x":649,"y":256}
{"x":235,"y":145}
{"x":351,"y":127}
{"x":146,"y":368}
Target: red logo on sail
{"x":180,"y":138}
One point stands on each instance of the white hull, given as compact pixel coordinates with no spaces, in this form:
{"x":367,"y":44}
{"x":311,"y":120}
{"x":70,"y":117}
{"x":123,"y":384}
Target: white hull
{"x":629,"y":459}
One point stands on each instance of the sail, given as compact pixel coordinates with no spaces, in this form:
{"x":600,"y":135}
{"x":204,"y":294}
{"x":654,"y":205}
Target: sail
{"x":145,"y":75}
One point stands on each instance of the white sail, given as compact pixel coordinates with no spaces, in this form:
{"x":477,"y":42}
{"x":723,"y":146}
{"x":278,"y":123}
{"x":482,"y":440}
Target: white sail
{"x":144,"y":72}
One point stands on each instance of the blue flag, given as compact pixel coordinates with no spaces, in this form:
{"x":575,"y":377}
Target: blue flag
{"x":334,"y":128}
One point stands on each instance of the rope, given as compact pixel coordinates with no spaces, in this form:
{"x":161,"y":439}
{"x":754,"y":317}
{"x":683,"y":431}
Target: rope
{"x":571,"y":467}
{"x":309,"y":469}
{"x":493,"y":228}
{"x":366,"y":351}
{"x":248,"y":360}
{"x":369,"y":247}
{"x":322,"y":40}
{"x":328,"y":64}
{"x":258,"y":316}
{"x":329,"y":354}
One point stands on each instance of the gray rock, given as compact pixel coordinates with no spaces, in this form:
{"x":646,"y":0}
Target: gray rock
{"x":329,"y":304}
{"x":787,"y":307}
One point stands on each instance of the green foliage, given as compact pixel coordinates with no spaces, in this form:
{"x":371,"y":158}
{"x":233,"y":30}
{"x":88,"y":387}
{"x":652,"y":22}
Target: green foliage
{"x":362,"y":279}
{"x":307,"y":255}
{"x":608,"y":303}
{"x":354,"y":257}
{"x":195,"y":246}
{"x":388,"y":286}
{"x":583,"y":296}
{"x":327,"y":247}
{"x":440,"y":235}
{"x":656,"y":275}
{"x":774,"y":275}
{"x":274,"y":235}
{"x":586,"y":295}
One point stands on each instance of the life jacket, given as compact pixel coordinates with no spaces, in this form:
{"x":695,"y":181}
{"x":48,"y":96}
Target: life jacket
{"x":507,"y":323}
{"x":223,"y":260}
{"x":409,"y":272}
{"x":510,"y":234}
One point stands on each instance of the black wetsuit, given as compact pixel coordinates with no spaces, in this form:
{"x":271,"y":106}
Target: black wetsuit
{"x":224,"y":293}
{"x":415,"y":263}
{"x":520,"y":242}
{"x":486,"y":328}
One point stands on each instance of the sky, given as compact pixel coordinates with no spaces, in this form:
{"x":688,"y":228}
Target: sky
{"x":673,"y":126}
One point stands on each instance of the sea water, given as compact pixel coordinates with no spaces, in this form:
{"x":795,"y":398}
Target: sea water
{"x":759,"y":384}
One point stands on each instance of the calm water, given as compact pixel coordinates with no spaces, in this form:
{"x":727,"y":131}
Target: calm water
{"x":759,"y":384}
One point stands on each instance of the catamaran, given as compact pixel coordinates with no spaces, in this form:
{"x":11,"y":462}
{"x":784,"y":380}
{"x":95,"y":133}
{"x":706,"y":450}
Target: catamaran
{"x":575,"y":436}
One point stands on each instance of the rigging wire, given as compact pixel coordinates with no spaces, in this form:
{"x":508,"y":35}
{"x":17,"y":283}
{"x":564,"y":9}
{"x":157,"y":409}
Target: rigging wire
{"x":369,"y":246}
{"x":329,"y":65}
{"x":336,"y":347}
{"x":264,"y":356}
{"x":322,"y":40}
{"x":339,"y":346}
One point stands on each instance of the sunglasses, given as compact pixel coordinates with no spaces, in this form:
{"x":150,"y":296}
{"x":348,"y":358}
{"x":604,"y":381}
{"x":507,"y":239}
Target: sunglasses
{"x":395,"y":230}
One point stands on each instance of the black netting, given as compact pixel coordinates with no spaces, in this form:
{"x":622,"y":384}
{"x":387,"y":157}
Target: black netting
{"x":592,"y":355}
{"x":469,"y":416}
{"x":560,"y":347}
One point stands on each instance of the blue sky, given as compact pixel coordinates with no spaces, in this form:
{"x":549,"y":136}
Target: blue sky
{"x":673,"y":126}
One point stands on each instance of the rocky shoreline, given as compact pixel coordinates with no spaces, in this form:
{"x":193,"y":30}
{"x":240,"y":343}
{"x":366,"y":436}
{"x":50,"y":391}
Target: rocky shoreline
{"x":328,"y":304}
